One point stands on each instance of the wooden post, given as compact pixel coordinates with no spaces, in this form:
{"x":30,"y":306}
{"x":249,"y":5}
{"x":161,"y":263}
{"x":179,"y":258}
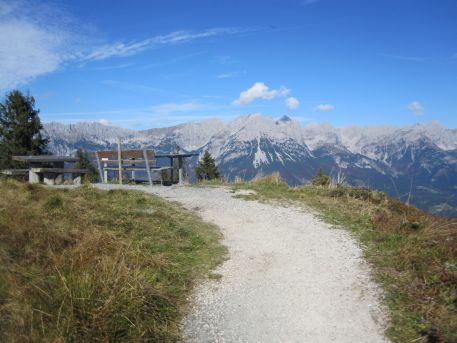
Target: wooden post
{"x":119,"y":158}
{"x":105,"y":172}
{"x":100,"y":170}
{"x":171,"y":170}
{"x":180,"y":172}
{"x":148,"y":169}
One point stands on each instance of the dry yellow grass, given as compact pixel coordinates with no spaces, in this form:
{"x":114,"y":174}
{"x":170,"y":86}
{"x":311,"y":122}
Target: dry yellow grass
{"x":93,"y":266}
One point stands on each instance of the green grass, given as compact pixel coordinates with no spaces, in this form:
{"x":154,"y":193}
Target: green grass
{"x":85,"y":265}
{"x":413,"y":254}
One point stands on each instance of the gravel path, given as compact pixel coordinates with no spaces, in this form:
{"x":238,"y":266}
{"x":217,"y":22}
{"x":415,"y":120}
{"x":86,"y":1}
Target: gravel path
{"x":290,"y":277}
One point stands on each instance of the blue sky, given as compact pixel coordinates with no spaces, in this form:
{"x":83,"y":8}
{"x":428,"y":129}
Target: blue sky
{"x":143,"y":64}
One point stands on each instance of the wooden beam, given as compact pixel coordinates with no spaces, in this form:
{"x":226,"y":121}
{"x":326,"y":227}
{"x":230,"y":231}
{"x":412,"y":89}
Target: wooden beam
{"x":14,"y":171}
{"x":100,"y":169}
{"x":59,"y":170}
{"x":145,"y":155}
{"x":119,"y":157}
{"x":180,"y":171}
{"x":127,"y":153}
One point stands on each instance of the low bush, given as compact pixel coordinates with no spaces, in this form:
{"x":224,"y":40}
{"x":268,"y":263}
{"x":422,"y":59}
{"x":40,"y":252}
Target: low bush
{"x":271,"y":179}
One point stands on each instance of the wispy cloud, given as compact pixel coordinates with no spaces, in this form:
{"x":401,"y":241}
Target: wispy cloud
{"x":37,"y":39}
{"x":407,"y":58}
{"x":224,"y":59}
{"x":140,"y":88}
{"x":123,"y":49}
{"x":324,"y":107}
{"x":230,"y":74}
{"x":134,"y":87}
{"x":416,"y":108}
{"x":34,"y":40}
{"x":173,"y":108}
{"x":112,"y":67}
{"x":149,"y":116}
{"x":260,"y":91}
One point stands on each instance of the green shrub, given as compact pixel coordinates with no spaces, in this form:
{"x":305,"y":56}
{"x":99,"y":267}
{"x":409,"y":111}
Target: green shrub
{"x":321,"y":179}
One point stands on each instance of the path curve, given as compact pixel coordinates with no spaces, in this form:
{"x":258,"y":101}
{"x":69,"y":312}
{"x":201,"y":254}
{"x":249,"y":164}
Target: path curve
{"x":290,"y":277}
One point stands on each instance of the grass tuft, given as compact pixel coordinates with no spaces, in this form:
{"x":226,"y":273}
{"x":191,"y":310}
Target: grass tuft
{"x":86,"y":265}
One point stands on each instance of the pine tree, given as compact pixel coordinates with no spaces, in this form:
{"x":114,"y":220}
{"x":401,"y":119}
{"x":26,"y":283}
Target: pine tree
{"x":20,"y":129}
{"x":85,"y":163}
{"x":321,"y":179}
{"x":206,"y":168}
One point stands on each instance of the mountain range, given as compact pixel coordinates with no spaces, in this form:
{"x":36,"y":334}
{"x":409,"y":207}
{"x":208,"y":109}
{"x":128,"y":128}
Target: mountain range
{"x":416,"y":163}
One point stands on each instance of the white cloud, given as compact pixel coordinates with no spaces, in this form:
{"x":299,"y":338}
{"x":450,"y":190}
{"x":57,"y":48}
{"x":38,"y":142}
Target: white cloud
{"x":417,"y":108}
{"x":104,"y":121}
{"x":260,"y":91}
{"x":324,"y":107}
{"x":122,"y":49}
{"x":168,"y":109}
{"x":37,"y":39}
{"x":231,"y":74}
{"x":292,"y":103}
{"x":31,"y":44}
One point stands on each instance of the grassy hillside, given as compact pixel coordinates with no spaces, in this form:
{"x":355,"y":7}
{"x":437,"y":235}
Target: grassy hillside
{"x":85,"y":265}
{"x":413,"y":254}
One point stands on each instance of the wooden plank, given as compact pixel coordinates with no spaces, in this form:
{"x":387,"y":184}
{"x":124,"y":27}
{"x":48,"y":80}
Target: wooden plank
{"x":129,"y":153}
{"x":126,"y":162}
{"x":138,"y":169}
{"x":106,"y":154}
{"x":14,"y":171}
{"x":59,"y":170}
{"x":138,"y":153}
{"x":45,"y":159}
{"x":176,"y":155}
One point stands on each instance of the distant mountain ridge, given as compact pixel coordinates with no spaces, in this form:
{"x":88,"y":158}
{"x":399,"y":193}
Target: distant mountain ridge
{"x":417,"y":162}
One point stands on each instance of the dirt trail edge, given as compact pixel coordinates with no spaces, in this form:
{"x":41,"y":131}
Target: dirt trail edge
{"x":290,"y":277}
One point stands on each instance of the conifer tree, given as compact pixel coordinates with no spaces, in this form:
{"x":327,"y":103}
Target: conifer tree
{"x":321,"y":179}
{"x":206,"y":168}
{"x":20,"y":129}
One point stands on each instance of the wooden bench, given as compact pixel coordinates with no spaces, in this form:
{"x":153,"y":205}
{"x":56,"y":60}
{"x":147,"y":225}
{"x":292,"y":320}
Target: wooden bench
{"x":126,"y":160}
{"x":50,"y":169}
